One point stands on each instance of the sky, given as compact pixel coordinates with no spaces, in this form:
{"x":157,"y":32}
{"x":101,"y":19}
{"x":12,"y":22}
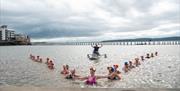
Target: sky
{"x":91,"y":20}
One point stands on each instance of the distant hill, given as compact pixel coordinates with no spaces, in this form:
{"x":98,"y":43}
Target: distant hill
{"x":177,"y":38}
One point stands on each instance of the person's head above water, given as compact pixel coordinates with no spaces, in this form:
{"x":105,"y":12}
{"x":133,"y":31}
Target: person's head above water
{"x":115,"y":66}
{"x":67,"y":67}
{"x":64,"y":67}
{"x":136,"y":59}
{"x":110,"y":69}
{"x":130,"y":62}
{"x":47,"y":59}
{"x":125,"y":63}
{"x":92,"y":71}
{"x":40,"y":59}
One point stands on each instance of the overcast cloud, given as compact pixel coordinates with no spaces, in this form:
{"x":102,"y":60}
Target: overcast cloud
{"x":91,"y":20}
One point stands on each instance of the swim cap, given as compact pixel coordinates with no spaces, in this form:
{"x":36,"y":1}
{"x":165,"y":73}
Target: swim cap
{"x":116,"y":65}
{"x":126,"y":63}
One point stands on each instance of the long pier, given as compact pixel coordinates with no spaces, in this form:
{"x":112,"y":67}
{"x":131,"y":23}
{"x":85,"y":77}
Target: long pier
{"x":127,"y":43}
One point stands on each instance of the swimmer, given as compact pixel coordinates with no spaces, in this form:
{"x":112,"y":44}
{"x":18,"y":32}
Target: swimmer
{"x":72,"y":75}
{"x":142,"y":58}
{"x":137,"y":62}
{"x":131,"y":65}
{"x":147,"y":56}
{"x":40,"y":60}
{"x":152,"y":55}
{"x":126,"y":67}
{"x":115,"y":67}
{"x":47,"y":61}
{"x":156,"y":53}
{"x":110,"y":69}
{"x":91,"y":80}
{"x":65,"y":69}
{"x":37,"y":58}
{"x":51,"y":65}
{"x":32,"y":57}
{"x":113,"y":75}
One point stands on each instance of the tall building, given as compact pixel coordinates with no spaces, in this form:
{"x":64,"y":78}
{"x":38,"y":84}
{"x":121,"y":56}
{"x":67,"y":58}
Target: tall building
{"x":6,"y":34}
{"x":3,"y":30}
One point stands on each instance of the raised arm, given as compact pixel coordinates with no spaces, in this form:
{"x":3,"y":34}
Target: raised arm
{"x":100,"y":77}
{"x":82,"y":78}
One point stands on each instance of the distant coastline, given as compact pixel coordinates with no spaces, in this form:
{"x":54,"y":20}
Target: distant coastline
{"x":175,"y":38}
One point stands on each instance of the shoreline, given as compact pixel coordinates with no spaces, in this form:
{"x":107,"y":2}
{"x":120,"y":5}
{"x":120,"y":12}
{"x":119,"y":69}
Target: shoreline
{"x":14,"y":88}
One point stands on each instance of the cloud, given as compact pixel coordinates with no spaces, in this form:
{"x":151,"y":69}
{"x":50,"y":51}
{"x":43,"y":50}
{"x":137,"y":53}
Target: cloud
{"x":91,"y":20}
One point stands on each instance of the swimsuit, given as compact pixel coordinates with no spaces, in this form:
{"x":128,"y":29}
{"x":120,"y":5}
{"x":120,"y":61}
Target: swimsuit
{"x":69,"y":77}
{"x":91,"y":80}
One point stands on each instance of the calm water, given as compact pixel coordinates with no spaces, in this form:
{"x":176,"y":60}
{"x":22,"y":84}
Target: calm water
{"x":16,"y":69}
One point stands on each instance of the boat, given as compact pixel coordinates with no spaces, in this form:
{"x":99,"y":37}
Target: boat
{"x":96,"y":56}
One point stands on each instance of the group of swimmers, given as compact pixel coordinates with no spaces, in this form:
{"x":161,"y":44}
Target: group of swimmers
{"x":132,"y":64}
{"x":114,"y":73}
{"x":90,"y":80}
{"x":49,"y":62}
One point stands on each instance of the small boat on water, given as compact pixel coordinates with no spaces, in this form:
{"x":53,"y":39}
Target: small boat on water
{"x":96,"y":56}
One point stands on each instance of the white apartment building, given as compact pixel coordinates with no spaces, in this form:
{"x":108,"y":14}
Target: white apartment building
{"x":6,"y":34}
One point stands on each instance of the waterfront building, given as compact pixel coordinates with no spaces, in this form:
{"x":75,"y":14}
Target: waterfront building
{"x":8,"y":37}
{"x":6,"y":34}
{"x":22,"y":39}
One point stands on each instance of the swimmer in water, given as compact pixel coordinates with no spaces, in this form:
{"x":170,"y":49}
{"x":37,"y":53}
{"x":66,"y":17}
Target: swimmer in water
{"x":115,"y":67}
{"x":126,"y":67}
{"x":40,"y":60}
{"x":51,"y":65}
{"x":137,"y":62}
{"x":156,"y":53}
{"x":32,"y":57}
{"x":131,"y":65}
{"x":72,"y":75}
{"x":142,"y":58}
{"x":152,"y":55}
{"x":113,"y":75}
{"x":47,"y":61}
{"x":91,"y":79}
{"x":65,"y":69}
{"x":147,"y":56}
{"x":37,"y":58}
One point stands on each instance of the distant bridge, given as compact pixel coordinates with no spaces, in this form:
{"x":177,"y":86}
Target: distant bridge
{"x":176,"y":42}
